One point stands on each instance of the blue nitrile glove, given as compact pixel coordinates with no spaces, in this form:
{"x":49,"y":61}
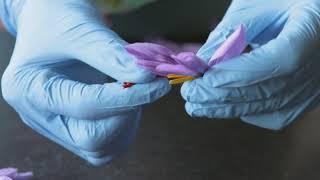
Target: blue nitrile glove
{"x":276,"y":82}
{"x":52,"y":86}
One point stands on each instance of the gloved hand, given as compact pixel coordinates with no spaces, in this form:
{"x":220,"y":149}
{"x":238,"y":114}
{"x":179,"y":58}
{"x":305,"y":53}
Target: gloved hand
{"x":52,"y":86}
{"x":274,"y":83}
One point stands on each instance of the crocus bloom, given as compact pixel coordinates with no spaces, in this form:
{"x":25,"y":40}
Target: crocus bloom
{"x":162,"y":61}
{"x":13,"y":174}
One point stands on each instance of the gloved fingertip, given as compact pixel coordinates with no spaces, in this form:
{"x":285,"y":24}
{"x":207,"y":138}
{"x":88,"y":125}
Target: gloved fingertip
{"x":187,"y":90}
{"x":255,"y":120}
{"x":190,"y":109}
{"x":99,"y":162}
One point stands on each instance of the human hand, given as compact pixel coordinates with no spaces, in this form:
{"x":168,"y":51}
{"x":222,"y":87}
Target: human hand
{"x":276,"y":82}
{"x":51,"y":84}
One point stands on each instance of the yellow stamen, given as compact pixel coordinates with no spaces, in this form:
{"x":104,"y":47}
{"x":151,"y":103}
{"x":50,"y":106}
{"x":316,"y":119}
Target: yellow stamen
{"x":175,"y":76}
{"x":181,"y":80}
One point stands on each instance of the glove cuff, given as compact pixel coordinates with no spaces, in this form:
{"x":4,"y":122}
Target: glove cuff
{"x":9,"y":9}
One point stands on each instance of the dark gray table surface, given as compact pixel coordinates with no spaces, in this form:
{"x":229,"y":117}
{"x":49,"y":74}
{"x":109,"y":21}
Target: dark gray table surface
{"x":171,"y":145}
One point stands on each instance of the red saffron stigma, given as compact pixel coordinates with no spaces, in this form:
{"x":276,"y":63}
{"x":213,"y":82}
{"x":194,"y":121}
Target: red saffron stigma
{"x":127,"y":85}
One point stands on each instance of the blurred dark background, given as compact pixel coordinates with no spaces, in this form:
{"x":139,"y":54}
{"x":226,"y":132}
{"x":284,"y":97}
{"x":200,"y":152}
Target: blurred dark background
{"x":178,"y":20}
{"x":170,"y":144}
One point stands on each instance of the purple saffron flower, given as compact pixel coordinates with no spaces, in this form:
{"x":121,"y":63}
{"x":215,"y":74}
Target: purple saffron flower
{"x":192,"y":61}
{"x":162,"y":61}
{"x":151,"y":52}
{"x":13,"y":174}
{"x":5,"y":178}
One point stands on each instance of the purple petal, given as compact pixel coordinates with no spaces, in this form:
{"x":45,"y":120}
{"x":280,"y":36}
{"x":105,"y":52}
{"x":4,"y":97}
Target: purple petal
{"x":231,"y":48}
{"x":175,"y":69}
{"x":148,"y":50}
{"x":5,"y":178}
{"x":191,"y":61}
{"x":164,"y":59}
{"x":159,"y":59}
{"x":136,"y":53}
{"x":8,"y":172}
{"x":175,"y":47}
{"x":24,"y":176}
{"x":12,"y":174}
